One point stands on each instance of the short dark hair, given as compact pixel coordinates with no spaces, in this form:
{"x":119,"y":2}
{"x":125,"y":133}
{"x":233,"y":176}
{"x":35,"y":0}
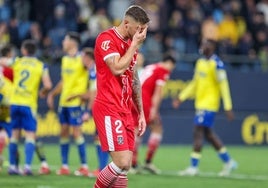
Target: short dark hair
{"x":89,"y":52}
{"x":30,"y":46}
{"x":74,"y":36}
{"x":169,"y":57}
{"x":138,"y":13}
{"x":6,"y":49}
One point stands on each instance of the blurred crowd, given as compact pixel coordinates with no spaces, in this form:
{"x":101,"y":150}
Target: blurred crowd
{"x":240,"y":27}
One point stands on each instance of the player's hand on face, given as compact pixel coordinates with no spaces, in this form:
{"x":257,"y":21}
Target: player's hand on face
{"x":140,"y":35}
{"x":230,"y":115}
{"x":176,"y":103}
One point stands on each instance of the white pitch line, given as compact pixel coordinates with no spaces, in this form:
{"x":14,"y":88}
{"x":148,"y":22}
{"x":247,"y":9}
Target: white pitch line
{"x":201,"y":174}
{"x":215,"y":175}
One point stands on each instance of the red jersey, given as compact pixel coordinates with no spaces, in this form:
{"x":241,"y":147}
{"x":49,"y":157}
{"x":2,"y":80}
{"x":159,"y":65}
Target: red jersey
{"x":151,"y":76}
{"x":111,"y":89}
{"x":8,"y":73}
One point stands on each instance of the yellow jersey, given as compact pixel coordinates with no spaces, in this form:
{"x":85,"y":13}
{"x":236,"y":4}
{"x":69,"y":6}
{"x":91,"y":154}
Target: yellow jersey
{"x":5,"y":90}
{"x":28,"y":72}
{"x":209,"y":85}
{"x":74,"y":77}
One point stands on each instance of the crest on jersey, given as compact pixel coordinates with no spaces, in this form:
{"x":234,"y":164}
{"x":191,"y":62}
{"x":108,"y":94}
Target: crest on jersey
{"x":105,"y":45}
{"x":120,"y":140}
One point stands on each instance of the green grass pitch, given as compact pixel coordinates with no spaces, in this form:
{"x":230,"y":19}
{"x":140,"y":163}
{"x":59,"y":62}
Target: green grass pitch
{"x":252,"y":171}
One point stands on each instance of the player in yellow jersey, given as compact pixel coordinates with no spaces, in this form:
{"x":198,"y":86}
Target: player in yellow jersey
{"x":74,"y":81}
{"x":89,"y":61}
{"x":208,"y":86}
{"x":27,"y":76}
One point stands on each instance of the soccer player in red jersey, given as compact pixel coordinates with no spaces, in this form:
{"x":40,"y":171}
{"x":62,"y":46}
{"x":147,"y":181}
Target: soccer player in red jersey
{"x":118,"y":87}
{"x":153,"y":79}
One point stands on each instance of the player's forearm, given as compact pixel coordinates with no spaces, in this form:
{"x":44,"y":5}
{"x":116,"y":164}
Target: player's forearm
{"x":156,"y":103}
{"x":188,"y":92}
{"x":157,"y":97}
{"x":226,"y":96}
{"x":91,"y":95}
{"x":56,"y":91}
{"x":137,"y":95}
{"x":47,"y":83}
{"x":121,"y":65}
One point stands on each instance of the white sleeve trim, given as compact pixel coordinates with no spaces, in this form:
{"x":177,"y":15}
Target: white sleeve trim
{"x":110,"y":55}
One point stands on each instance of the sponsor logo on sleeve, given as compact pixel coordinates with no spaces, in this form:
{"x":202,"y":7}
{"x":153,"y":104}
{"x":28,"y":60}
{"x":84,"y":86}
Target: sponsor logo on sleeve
{"x":105,"y":45}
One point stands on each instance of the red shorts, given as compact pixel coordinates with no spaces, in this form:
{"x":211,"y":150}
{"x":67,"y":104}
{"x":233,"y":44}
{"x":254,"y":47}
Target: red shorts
{"x":115,"y":129}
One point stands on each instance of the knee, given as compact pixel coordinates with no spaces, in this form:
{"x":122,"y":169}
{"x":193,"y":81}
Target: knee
{"x":123,"y":164}
{"x":209,"y":138}
{"x":64,"y":132}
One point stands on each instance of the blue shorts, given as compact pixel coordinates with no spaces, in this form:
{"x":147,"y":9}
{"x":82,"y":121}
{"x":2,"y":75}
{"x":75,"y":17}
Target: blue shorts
{"x":7,"y":126}
{"x":204,"y":118}
{"x":70,"y":115}
{"x":22,"y":118}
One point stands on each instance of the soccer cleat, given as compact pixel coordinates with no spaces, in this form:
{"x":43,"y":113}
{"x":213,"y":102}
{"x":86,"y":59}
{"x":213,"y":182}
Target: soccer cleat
{"x":14,"y":171}
{"x":82,"y":171}
{"x":27,"y":172}
{"x":133,"y":170}
{"x":44,"y":170}
{"x":151,"y":168}
{"x":63,"y":171}
{"x":228,"y":168}
{"x":94,"y":173}
{"x":190,"y":171}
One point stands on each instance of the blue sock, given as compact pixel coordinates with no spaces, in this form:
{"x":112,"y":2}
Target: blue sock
{"x":102,"y":157}
{"x":224,"y":155}
{"x":82,"y":153}
{"x":81,"y":146}
{"x":13,"y":147}
{"x":194,"y":162}
{"x":195,"y":157}
{"x":29,"y":151}
{"x":64,"y":147}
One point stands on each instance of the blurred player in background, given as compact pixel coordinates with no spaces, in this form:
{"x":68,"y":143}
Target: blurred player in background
{"x":89,"y":61}
{"x":8,"y":52}
{"x":6,"y":78}
{"x":208,"y":86}
{"x":74,"y":81}
{"x":28,"y":73}
{"x":153,"y":79}
{"x":118,"y":87}
{"x":5,"y":127}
